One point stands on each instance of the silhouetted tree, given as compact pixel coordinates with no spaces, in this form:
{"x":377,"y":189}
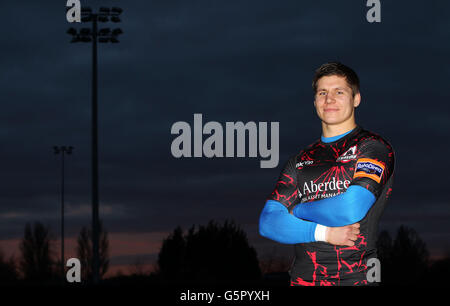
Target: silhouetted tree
{"x":84,"y":252}
{"x":171,"y":256}
{"x":275,"y":268}
{"x":439,"y":272}
{"x":212,"y":254}
{"x":403,"y":261}
{"x":36,"y":262}
{"x":8,"y":271}
{"x":384,"y":252}
{"x":274,"y":263}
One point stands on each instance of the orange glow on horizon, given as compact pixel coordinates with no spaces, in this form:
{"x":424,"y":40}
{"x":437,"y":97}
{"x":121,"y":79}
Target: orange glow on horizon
{"x":120,"y":244}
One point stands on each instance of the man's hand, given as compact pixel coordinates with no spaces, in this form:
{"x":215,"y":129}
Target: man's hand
{"x":345,"y":235}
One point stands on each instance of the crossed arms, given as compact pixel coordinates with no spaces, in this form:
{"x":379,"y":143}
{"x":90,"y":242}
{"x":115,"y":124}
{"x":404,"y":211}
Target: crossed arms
{"x":315,"y":221}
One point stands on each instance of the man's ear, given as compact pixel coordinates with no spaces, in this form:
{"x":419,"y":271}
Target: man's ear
{"x":357,"y":100}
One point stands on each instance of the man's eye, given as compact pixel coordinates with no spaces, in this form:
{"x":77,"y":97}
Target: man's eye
{"x":340,"y":92}
{"x":322,"y":93}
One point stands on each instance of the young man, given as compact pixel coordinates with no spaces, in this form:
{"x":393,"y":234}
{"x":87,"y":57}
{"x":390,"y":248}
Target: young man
{"x":330,"y":196}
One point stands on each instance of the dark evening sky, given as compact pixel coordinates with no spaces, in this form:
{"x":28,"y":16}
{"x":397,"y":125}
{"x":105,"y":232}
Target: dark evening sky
{"x":230,"y":61}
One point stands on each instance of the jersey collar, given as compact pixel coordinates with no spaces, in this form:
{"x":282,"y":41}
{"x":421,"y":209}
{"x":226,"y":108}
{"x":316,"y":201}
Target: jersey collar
{"x":334,"y":139}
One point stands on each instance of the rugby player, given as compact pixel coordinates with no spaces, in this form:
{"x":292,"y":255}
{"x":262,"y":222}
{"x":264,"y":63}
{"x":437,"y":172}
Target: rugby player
{"x":329,"y":197}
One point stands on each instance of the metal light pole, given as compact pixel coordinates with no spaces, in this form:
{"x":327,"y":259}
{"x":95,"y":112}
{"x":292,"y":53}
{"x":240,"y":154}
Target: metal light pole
{"x":62,"y":150}
{"x":103,"y":35}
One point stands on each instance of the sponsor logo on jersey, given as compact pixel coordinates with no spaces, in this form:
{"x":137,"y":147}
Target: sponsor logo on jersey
{"x":332,"y":185}
{"x":310,"y":188}
{"x":348,"y":155}
{"x":367,"y":167}
{"x":304,"y":163}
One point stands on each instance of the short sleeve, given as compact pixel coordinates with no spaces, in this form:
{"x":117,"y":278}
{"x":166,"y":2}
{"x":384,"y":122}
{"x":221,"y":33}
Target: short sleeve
{"x":374,"y":165}
{"x":285,"y":190}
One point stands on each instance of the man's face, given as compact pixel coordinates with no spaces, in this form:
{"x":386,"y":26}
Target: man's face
{"x":334,"y":100}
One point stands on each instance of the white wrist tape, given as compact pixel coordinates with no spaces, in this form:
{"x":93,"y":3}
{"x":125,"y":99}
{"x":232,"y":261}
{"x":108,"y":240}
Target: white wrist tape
{"x":320,"y":233}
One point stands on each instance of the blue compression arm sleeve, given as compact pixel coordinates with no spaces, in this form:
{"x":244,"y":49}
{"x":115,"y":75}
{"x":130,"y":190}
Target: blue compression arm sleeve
{"x":340,"y":210}
{"x":278,"y":224}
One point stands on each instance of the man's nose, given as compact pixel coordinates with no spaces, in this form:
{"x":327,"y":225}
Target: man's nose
{"x":330,"y":98}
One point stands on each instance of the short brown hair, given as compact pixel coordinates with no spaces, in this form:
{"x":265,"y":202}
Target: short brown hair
{"x":336,"y":68}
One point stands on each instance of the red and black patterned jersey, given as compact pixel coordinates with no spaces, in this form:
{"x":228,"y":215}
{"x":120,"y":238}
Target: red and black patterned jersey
{"x":325,"y":170}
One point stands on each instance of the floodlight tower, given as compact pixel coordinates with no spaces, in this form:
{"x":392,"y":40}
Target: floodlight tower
{"x":104,"y":35}
{"x":63,"y":150}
